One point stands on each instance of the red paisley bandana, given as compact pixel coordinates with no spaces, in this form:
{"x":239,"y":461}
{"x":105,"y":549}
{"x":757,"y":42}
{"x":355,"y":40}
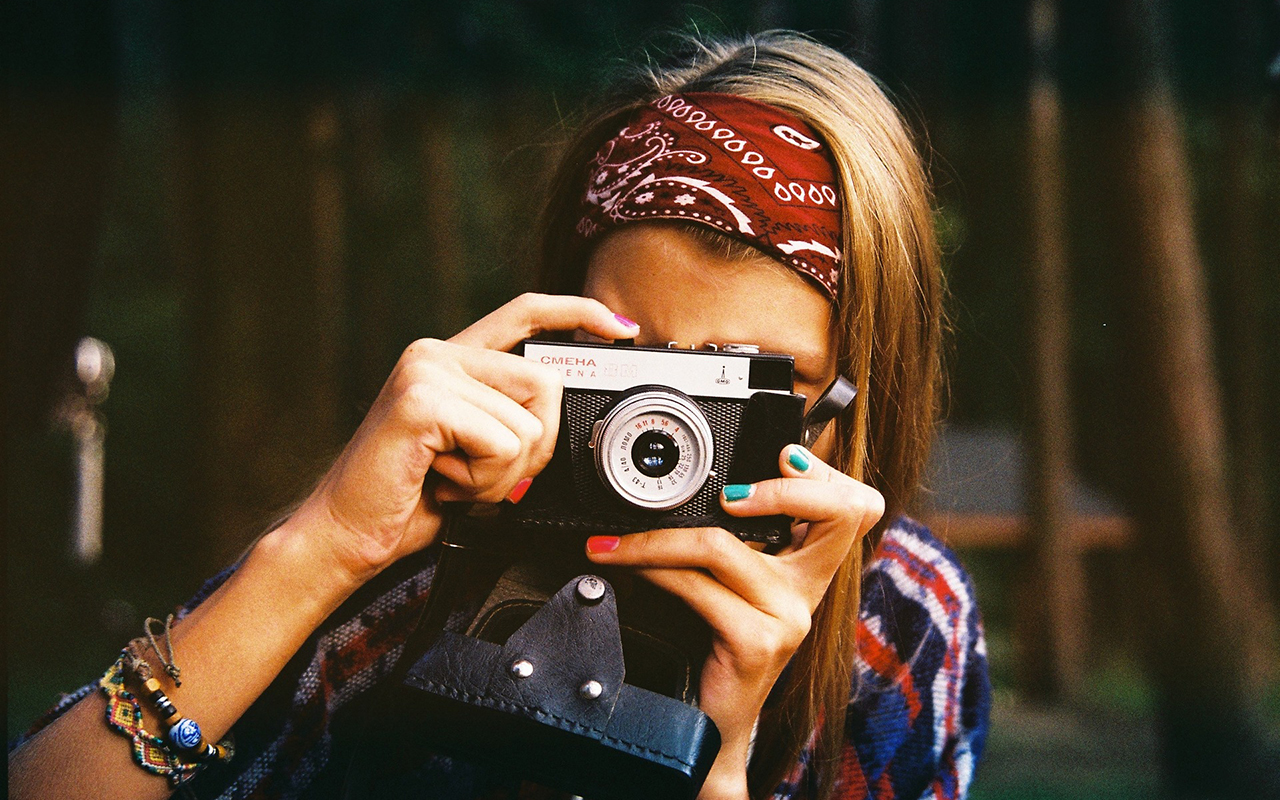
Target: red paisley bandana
{"x":747,"y":169}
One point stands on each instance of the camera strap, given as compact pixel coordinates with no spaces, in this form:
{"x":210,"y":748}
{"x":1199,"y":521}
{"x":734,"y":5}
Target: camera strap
{"x":838,"y":396}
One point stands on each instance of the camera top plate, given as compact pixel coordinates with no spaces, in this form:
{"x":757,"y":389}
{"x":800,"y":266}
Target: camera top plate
{"x":698,"y":373}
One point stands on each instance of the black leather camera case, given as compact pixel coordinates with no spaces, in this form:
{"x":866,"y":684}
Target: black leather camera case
{"x":502,"y":596}
{"x":625,"y":742}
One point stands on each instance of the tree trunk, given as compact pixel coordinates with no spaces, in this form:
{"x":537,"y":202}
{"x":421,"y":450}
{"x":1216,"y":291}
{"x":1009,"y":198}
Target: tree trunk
{"x":262,"y":254}
{"x":328,"y":293}
{"x":56,"y":146}
{"x":1245,"y":364}
{"x":441,"y":191}
{"x":1052,"y":644}
{"x":1206,"y":616}
{"x":371,"y":240}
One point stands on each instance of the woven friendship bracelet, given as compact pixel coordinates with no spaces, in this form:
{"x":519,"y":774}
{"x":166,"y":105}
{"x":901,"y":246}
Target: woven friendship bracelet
{"x":124,"y":715}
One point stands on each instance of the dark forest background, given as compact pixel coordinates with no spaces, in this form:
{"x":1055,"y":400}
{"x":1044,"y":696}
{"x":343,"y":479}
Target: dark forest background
{"x":258,"y":205}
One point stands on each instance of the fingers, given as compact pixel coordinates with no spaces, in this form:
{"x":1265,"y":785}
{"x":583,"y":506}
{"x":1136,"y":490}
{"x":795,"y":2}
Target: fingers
{"x":531,"y":314}
{"x":838,"y":508}
{"x":479,"y":419}
{"x":448,"y":421}
{"x":758,"y":635}
{"x":521,"y":395}
{"x":518,"y":378}
{"x":536,"y":387}
{"x":456,"y":378}
{"x":760,"y":606}
{"x":809,"y":490}
{"x":381,"y":472}
{"x":741,"y":570}
{"x":732,"y":616}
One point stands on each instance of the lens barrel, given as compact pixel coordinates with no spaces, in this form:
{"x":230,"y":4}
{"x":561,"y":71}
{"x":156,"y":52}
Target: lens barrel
{"x":653,"y":448}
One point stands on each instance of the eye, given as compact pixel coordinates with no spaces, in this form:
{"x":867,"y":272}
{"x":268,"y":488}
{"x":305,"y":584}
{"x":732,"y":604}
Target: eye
{"x":810,"y":374}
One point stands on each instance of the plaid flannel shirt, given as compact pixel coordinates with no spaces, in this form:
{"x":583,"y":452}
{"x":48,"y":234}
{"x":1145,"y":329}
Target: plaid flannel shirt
{"x":916,"y":725}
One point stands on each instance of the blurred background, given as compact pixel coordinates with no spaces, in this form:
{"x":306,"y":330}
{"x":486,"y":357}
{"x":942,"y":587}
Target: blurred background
{"x":256,"y":206}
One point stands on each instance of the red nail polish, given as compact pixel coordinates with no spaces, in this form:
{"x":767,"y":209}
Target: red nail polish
{"x":602,"y":544}
{"x":517,"y":494}
{"x":625,"y":321}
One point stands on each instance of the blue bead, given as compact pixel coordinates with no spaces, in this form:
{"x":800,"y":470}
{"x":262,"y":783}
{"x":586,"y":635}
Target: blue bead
{"x":185,"y":734}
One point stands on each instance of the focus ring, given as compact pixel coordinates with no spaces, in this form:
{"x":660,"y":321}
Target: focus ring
{"x":674,"y":415}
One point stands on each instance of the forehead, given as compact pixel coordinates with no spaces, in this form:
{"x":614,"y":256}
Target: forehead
{"x":680,"y":289}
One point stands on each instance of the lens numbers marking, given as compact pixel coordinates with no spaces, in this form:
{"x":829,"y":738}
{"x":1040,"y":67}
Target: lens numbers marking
{"x":622,"y":452}
{"x":655,"y":457}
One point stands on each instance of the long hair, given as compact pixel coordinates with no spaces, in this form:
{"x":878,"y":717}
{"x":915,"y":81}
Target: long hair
{"x":886,"y":324}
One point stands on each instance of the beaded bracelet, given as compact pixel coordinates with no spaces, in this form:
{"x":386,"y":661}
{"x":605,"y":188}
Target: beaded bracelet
{"x":183,"y":733}
{"x":124,"y":714}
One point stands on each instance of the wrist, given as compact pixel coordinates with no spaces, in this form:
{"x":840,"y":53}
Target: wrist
{"x":727,"y":779}
{"x":725,"y":786}
{"x":304,"y":558}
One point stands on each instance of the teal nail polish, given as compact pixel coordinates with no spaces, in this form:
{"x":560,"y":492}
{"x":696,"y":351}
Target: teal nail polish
{"x":737,"y":491}
{"x":798,"y":459}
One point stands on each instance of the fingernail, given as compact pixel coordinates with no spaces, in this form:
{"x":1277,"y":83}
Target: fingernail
{"x":738,"y":491}
{"x":626,"y":322}
{"x":517,"y":494}
{"x":798,"y":459}
{"x":602,"y":544}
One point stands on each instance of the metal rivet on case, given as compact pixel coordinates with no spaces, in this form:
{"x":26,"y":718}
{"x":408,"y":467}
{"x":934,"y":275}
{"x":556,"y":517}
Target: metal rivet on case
{"x":521,"y":669}
{"x":590,"y":690}
{"x":590,"y":589}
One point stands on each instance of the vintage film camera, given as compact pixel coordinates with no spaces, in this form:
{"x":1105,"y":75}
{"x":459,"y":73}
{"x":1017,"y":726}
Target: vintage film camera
{"x":534,"y":663}
{"x":649,"y":437}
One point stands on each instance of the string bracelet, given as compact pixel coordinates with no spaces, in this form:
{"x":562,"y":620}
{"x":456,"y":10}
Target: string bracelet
{"x":124,"y":715}
{"x":183,"y":733}
{"x":170,"y":663}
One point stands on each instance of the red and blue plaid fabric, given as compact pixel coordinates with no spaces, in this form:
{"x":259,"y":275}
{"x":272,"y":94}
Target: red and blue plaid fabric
{"x":919,"y":709}
{"x":917,"y":716}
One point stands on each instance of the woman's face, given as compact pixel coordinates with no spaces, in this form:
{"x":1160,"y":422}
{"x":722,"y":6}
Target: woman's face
{"x":678,"y":290}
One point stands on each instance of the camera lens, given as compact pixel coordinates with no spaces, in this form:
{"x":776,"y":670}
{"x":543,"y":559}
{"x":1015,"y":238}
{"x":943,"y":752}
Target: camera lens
{"x":655,"y":453}
{"x":653,"y":447}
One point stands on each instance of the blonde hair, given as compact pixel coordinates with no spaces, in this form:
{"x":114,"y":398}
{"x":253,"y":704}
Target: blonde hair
{"x":887,"y":324}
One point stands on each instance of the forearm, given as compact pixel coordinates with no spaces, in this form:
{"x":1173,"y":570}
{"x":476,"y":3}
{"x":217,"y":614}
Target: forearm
{"x":230,"y":649}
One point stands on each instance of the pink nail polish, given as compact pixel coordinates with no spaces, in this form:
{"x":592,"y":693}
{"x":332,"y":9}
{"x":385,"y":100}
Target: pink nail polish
{"x":602,"y":544}
{"x":517,"y":494}
{"x":625,"y":321}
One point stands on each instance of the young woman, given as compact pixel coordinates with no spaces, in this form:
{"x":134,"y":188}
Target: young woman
{"x":762,"y":191}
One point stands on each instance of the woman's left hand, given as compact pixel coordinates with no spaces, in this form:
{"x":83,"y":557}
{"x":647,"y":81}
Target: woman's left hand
{"x":759,"y":606}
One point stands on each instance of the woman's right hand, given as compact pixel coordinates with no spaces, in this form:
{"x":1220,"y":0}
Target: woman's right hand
{"x":480,"y":419}
{"x":476,"y":417}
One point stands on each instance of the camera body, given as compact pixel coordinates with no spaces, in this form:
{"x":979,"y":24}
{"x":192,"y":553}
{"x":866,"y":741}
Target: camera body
{"x":538,"y":664}
{"x":649,"y":436}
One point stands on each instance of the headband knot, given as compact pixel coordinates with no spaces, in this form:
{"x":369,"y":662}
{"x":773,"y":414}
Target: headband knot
{"x":749,"y":170}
